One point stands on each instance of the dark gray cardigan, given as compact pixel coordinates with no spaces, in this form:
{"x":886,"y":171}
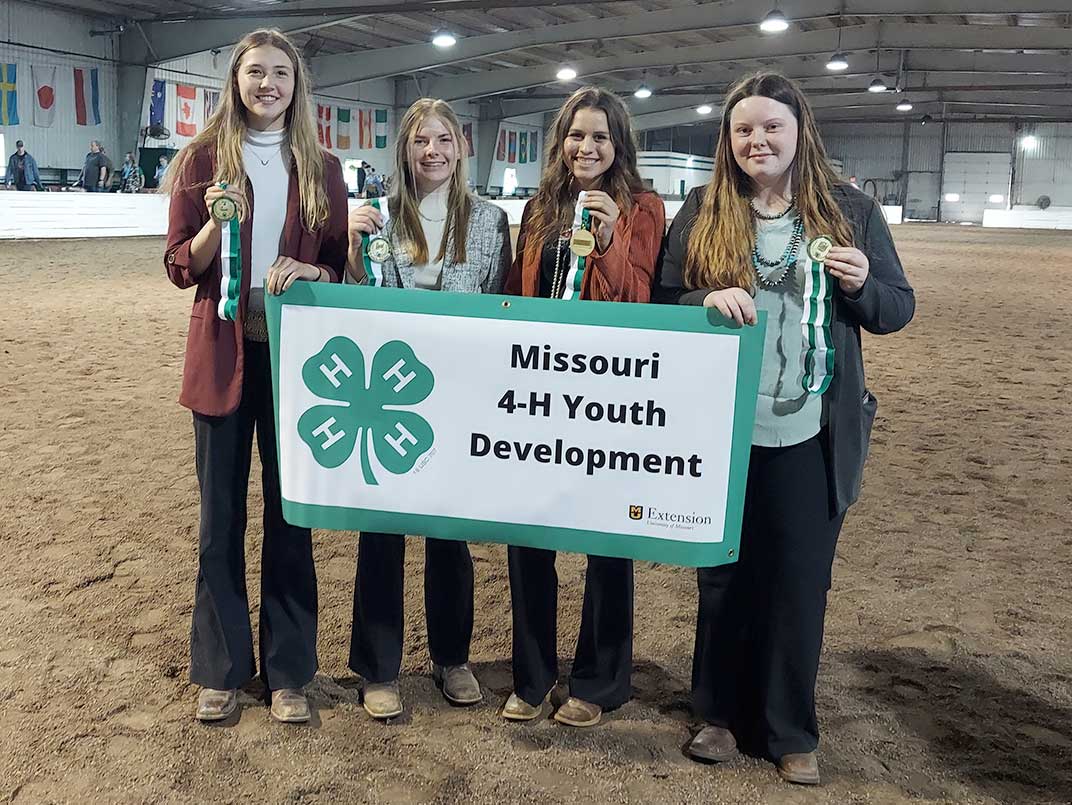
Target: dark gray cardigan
{"x":884,"y":304}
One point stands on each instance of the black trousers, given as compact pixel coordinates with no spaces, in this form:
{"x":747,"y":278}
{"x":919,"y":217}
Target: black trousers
{"x":221,"y":641}
{"x":603,"y":661}
{"x":376,"y":638}
{"x":760,"y":625}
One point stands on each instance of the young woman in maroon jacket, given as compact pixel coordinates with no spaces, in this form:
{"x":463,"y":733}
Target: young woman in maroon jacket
{"x":261,"y":142}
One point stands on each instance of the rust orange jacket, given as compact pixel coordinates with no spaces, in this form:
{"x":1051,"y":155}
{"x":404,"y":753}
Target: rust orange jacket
{"x":212,"y":375}
{"x":623,"y":273}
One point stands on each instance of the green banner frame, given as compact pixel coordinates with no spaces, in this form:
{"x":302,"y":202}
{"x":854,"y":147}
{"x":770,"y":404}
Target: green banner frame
{"x":683,"y":318}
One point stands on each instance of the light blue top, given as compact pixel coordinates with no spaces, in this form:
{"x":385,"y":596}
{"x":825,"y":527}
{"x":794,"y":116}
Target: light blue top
{"x":785,"y":413}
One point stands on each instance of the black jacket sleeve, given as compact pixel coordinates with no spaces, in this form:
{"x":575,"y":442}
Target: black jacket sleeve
{"x":886,"y":302}
{"x":669,"y":276}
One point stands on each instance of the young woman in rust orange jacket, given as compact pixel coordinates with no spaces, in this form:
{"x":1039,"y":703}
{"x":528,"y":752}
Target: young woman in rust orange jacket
{"x":590,"y":176}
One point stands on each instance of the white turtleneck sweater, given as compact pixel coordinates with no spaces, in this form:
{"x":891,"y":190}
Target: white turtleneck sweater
{"x":433,"y":210}
{"x":266,"y":166}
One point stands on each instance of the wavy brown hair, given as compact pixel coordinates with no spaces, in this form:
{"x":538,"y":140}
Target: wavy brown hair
{"x":225,"y":132}
{"x":719,"y":249}
{"x":552,"y":206}
{"x":404,"y":201}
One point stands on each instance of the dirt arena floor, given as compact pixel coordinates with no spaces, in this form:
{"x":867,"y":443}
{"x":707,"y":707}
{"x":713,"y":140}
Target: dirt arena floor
{"x":946,"y":675}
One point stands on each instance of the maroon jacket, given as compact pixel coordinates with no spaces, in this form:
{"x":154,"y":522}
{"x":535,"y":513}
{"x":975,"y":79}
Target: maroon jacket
{"x":212,"y":376}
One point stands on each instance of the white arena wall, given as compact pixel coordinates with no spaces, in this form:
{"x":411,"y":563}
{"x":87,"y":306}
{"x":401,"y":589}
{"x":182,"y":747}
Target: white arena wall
{"x":100,"y":215}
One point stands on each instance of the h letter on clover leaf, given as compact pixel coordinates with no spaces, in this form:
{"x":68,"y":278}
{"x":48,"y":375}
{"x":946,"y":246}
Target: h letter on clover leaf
{"x":359,"y":414}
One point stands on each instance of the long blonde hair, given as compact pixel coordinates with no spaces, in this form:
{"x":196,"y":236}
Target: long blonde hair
{"x":552,"y":206}
{"x":720,"y":243}
{"x":225,"y":132}
{"x":404,"y":201}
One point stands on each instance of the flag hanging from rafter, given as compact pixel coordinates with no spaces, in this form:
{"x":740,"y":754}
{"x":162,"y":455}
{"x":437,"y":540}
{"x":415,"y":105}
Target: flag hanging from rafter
{"x":381,"y":128}
{"x":86,"y":96}
{"x":185,"y":122}
{"x":342,"y":128}
{"x":212,"y":100}
{"x":156,"y":103}
{"x":323,"y":125}
{"x":9,"y":95}
{"x":364,"y":129}
{"x":44,"y":79}
{"x":467,"y":130}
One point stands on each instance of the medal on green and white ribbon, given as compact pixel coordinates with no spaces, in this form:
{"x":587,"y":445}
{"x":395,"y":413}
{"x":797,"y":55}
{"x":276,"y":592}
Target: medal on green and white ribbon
{"x":376,"y":249}
{"x":815,"y":323}
{"x":582,"y":244}
{"x":225,"y":211}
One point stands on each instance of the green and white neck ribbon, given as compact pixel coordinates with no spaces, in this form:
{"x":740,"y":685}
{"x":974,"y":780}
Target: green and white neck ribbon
{"x":231,"y":267}
{"x":374,"y":270}
{"x":815,"y":324}
{"x":582,"y":219}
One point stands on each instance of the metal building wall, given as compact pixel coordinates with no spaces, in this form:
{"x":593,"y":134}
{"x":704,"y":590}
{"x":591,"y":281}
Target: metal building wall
{"x":1045,"y":170}
{"x":64,"y":144}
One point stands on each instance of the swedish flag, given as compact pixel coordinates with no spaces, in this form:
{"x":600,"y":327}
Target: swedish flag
{"x":9,"y":95}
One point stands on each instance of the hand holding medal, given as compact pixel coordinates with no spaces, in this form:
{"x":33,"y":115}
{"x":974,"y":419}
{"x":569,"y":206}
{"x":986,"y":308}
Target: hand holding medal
{"x":847,"y":264}
{"x":224,"y":202}
{"x":604,"y":214}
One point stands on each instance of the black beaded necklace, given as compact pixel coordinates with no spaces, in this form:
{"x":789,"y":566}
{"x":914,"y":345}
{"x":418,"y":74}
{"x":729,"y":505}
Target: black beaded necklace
{"x":784,"y":263}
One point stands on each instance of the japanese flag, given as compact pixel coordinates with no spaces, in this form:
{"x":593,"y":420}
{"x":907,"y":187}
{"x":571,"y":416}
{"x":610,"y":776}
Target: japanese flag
{"x":44,"y":79}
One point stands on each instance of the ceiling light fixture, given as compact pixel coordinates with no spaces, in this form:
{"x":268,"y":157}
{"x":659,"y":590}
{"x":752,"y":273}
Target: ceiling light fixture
{"x":904,"y":106}
{"x":877,"y":85}
{"x":774,"y":23}
{"x":838,"y":62}
{"x":704,"y":109}
{"x":444,"y":39}
{"x":566,"y":74}
{"x":643,"y":92}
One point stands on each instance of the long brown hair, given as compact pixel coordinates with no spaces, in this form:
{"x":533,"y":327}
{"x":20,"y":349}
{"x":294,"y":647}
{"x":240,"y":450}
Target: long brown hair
{"x":404,"y":201}
{"x":719,"y":249}
{"x":552,"y":206}
{"x":225,"y":132}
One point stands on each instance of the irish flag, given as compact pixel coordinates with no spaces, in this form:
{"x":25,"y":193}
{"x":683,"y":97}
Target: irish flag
{"x":86,"y":97}
{"x":342,"y":128}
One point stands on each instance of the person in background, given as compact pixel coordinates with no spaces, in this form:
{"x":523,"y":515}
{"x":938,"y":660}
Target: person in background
{"x":443,"y":238}
{"x":131,"y":177}
{"x":109,"y":168}
{"x":161,"y":170}
{"x":373,"y":183}
{"x":775,"y":230}
{"x":22,"y":170}
{"x":361,"y":176}
{"x":95,"y":170}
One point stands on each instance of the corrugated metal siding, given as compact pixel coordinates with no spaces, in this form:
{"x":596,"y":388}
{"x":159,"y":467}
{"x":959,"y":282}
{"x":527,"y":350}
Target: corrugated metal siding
{"x":980,"y":137}
{"x":925,"y":148}
{"x":64,"y":144}
{"x":1046,"y":170}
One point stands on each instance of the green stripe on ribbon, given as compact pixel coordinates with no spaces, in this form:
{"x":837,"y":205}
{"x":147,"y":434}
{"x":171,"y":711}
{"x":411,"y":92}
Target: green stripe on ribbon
{"x":575,"y":277}
{"x":818,"y":313}
{"x":230,"y":269}
{"x":373,"y":270}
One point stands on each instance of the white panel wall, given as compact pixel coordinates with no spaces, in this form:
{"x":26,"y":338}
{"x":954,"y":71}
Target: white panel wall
{"x":971,"y":180}
{"x":668,"y":170}
{"x":64,"y":144}
{"x":1046,"y":169}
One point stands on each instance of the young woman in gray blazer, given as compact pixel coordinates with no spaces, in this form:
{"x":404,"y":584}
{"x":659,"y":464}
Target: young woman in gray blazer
{"x":431,"y":234}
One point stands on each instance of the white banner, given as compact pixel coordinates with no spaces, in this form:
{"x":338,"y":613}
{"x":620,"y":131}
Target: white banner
{"x":606,"y":432}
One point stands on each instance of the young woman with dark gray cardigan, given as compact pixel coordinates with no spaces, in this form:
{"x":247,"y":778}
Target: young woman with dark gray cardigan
{"x":774,"y":230}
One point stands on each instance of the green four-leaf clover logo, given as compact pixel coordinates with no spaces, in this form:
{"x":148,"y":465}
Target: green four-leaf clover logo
{"x":365,"y":414}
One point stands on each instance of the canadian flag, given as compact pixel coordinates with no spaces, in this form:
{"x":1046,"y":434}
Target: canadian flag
{"x":323,"y":125}
{"x":44,"y":79}
{"x":185,"y":123}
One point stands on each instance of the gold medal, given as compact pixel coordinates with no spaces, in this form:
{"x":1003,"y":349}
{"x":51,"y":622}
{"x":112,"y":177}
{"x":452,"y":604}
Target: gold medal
{"x":819,"y":248}
{"x":378,"y":249}
{"x":224,"y":209}
{"x":582,"y":242}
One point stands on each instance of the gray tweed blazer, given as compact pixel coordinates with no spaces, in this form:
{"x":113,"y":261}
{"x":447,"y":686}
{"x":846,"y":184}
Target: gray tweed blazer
{"x":488,"y":255}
